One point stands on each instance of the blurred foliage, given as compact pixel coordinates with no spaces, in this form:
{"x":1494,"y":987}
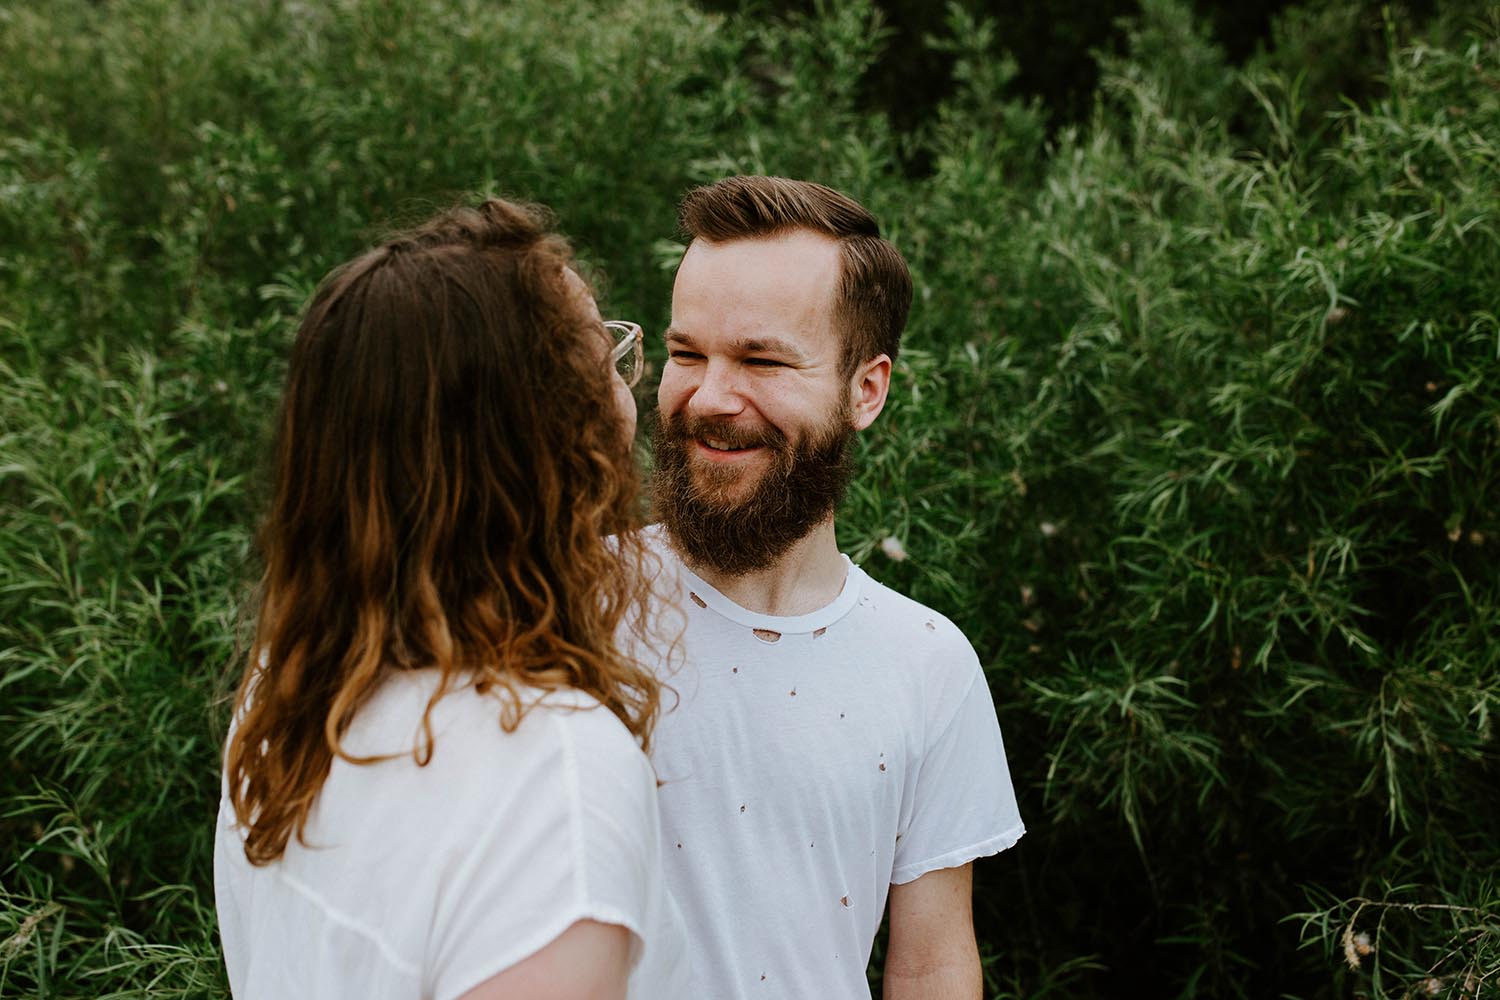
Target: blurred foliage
{"x":1194,"y":433}
{"x":1054,"y":50}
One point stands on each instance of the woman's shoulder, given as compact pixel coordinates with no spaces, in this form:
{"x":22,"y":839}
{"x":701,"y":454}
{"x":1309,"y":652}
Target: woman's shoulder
{"x":569,"y":757}
{"x":566,"y":759}
{"x":494,"y":725}
{"x":407,"y":694}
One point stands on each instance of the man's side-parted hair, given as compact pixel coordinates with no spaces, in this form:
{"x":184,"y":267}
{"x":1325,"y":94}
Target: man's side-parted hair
{"x":874,"y":293}
{"x":453,"y":492}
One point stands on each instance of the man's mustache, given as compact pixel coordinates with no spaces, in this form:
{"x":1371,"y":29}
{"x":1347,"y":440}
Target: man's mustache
{"x":680,"y":427}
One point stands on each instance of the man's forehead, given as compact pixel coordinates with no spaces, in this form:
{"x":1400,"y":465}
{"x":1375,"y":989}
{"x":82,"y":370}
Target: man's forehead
{"x":804,"y":247}
{"x":796,"y":272}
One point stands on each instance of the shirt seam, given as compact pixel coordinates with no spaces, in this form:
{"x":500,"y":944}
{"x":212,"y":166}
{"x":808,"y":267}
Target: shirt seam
{"x":350,"y":924}
{"x":575,"y":811}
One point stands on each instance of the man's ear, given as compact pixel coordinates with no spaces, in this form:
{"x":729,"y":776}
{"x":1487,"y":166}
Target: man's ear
{"x":868,"y":387}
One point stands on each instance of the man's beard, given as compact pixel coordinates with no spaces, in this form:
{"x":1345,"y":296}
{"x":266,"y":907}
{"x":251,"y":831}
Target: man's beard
{"x":733,"y":536}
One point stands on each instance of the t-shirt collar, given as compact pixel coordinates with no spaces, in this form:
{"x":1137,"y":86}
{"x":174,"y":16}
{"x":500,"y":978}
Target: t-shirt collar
{"x":695,"y":585}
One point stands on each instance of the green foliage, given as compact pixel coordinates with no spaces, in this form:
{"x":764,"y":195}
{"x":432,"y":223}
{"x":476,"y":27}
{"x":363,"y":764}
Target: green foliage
{"x":1239,"y":442}
{"x":123,"y":546}
{"x":1427,"y":948}
{"x":1194,"y":432}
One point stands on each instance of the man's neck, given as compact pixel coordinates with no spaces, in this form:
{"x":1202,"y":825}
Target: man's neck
{"x":806,"y":577}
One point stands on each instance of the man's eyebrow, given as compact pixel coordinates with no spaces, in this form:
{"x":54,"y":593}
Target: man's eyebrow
{"x":744,"y":345}
{"x":767,"y":345}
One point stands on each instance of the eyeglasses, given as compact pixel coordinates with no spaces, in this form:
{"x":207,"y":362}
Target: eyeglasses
{"x":629,"y":355}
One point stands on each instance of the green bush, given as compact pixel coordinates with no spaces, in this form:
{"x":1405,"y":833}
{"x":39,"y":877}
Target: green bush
{"x":1194,"y":433}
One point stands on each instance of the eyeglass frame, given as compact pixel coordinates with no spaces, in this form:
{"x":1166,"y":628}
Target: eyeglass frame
{"x":631,"y":338}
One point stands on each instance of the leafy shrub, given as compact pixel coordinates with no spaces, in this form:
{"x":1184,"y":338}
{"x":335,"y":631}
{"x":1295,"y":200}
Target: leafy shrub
{"x":1225,"y":534}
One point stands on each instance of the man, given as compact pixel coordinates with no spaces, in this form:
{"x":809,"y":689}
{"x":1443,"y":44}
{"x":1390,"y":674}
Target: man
{"x":834,"y":742}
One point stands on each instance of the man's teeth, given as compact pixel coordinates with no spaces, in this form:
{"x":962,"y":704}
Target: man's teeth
{"x":718,"y":445}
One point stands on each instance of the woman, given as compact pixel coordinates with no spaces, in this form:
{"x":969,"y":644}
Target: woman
{"x":435,"y":784}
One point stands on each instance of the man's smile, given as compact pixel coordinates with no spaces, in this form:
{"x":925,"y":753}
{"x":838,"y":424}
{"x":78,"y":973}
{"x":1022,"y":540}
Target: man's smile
{"x":717,"y":449}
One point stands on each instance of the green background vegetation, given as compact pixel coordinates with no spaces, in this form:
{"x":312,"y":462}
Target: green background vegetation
{"x":1196,"y":433}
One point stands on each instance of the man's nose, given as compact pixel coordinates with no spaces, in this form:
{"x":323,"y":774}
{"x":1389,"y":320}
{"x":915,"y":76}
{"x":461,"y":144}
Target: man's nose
{"x":719,"y":393}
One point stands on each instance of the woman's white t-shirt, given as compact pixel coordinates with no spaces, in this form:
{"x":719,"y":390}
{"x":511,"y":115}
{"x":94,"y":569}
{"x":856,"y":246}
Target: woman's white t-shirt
{"x":427,"y":881}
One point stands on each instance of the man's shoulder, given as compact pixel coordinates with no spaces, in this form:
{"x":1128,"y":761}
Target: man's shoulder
{"x":889,"y":610}
{"x":924,"y":652}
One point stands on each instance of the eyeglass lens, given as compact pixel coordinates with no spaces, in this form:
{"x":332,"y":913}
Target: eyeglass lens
{"x":629,"y":353}
{"x":628,"y":365}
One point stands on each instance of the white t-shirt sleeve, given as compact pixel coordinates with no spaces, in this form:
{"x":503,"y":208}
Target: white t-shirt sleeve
{"x":964,"y":806}
{"x":584,"y":848}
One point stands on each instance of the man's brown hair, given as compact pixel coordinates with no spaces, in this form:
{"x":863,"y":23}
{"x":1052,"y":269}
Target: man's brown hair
{"x":874,"y":293}
{"x":453,"y":492}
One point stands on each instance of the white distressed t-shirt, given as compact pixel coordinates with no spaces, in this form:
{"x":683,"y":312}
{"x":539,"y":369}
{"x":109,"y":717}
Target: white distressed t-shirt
{"x":811,"y":763}
{"x":423,"y":882}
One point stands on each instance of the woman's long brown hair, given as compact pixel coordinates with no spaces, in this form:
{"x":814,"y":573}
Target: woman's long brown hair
{"x":453,"y":492}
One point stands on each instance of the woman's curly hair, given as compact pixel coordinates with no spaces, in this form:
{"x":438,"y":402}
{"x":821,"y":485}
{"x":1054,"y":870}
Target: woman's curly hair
{"x":453,"y":492}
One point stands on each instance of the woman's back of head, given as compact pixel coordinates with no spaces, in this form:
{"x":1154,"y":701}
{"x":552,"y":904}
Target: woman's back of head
{"x":454,"y":491}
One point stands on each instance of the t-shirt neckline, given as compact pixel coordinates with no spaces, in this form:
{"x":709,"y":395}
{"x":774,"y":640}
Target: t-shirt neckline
{"x":821,"y":618}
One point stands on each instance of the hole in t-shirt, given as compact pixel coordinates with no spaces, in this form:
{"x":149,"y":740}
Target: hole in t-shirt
{"x":818,"y":633}
{"x":766,"y":635}
{"x":931,"y":627}
{"x":698,"y":600}
{"x":793,"y":692}
{"x":844,"y":900}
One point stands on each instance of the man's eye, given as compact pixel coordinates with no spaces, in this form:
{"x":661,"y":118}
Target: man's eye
{"x":764,"y":362}
{"x":684,"y":356}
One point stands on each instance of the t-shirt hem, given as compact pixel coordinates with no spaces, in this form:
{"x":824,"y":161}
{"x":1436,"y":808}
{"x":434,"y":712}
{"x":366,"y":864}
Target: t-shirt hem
{"x":539,"y":939}
{"x":961,"y":856}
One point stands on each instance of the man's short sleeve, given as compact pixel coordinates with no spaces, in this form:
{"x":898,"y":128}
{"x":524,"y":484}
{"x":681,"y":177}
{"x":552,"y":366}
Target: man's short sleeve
{"x":963,"y":806}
